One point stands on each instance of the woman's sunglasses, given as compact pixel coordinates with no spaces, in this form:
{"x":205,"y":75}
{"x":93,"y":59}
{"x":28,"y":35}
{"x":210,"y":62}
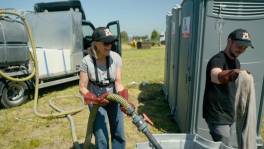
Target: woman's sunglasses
{"x":107,"y":44}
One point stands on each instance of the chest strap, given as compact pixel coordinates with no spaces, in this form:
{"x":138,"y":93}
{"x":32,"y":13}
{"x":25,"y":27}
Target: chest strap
{"x":102,"y":83}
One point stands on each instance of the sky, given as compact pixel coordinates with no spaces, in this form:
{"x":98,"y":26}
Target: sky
{"x":136,"y":17}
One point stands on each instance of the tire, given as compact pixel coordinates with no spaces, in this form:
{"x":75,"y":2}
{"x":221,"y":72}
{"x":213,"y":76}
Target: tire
{"x":14,"y":94}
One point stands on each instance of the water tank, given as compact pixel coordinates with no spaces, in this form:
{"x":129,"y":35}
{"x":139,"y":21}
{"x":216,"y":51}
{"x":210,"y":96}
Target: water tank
{"x":13,"y":42}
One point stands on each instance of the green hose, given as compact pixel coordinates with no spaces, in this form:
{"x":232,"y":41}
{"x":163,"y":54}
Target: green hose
{"x":111,"y":97}
{"x":35,"y":72}
{"x":61,"y":113}
{"x":2,"y":12}
{"x":136,"y":119}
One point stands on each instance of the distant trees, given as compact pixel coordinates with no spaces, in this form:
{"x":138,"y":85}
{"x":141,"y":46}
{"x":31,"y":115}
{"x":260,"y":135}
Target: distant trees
{"x":154,"y":38}
{"x":143,"y":38}
{"x":155,"y":35}
{"x":124,"y":36}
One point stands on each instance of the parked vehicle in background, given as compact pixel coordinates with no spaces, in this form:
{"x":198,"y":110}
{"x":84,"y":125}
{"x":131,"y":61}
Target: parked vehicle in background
{"x":61,"y":34}
{"x":162,"y":38}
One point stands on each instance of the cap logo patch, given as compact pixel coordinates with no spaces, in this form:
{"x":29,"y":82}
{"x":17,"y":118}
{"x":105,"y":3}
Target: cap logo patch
{"x":107,"y":32}
{"x":245,"y":36}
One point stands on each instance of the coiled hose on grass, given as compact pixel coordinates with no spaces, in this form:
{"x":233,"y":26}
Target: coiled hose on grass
{"x":35,"y":72}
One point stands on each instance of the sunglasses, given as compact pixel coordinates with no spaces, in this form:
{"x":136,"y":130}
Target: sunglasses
{"x":107,"y":44}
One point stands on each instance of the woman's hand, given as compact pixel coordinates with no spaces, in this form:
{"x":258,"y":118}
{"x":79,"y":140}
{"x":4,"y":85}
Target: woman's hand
{"x":90,"y":98}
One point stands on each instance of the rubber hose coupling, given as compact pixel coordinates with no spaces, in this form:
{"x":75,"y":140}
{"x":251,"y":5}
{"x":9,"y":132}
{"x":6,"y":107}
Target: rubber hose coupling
{"x":130,"y":110}
{"x":139,"y":122}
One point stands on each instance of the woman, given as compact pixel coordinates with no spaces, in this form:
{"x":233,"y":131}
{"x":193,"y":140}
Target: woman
{"x":101,"y":74}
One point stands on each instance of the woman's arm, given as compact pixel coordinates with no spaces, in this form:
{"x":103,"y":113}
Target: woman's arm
{"x":118,"y":82}
{"x":83,"y":83}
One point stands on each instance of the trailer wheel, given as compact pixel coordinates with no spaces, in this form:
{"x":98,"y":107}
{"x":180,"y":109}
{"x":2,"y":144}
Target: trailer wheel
{"x":14,"y":94}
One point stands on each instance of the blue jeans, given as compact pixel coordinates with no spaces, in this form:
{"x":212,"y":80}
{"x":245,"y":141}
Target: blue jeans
{"x":116,"y":123}
{"x":220,"y":132}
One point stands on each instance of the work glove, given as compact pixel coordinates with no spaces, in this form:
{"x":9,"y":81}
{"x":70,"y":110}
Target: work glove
{"x":124,"y":94}
{"x":228,"y":75}
{"x":90,"y":98}
{"x":103,"y":101}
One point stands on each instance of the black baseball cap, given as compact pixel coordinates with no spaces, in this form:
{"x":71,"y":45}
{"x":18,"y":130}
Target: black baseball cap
{"x":242,"y":37}
{"x":103,"y":34}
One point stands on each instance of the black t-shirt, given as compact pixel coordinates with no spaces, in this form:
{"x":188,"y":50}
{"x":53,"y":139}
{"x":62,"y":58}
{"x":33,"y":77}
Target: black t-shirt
{"x":218,"y":105}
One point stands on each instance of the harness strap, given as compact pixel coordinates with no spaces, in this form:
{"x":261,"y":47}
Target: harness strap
{"x":108,"y":67}
{"x":95,"y":69}
{"x":102,"y":83}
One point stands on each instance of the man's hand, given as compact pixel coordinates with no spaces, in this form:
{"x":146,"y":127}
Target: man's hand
{"x":234,"y":74}
{"x":90,"y":98}
{"x":248,"y":72}
{"x":228,"y":75}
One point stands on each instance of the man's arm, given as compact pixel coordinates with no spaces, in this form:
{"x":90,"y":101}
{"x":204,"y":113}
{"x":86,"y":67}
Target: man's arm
{"x":214,"y":75}
{"x":220,"y":76}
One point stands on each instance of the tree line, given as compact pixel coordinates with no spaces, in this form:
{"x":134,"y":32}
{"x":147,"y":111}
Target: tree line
{"x":155,"y":37}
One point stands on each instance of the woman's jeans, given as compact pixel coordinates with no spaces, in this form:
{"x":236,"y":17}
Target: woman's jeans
{"x":116,"y":122}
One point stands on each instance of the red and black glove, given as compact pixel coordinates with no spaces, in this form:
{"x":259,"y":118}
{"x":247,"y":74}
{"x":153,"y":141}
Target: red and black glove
{"x":124,"y":94}
{"x":228,"y":75}
{"x":90,"y":98}
{"x":103,"y":101}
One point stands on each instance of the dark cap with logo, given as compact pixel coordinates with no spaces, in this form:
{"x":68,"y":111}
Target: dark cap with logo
{"x":103,"y":34}
{"x":242,"y":37}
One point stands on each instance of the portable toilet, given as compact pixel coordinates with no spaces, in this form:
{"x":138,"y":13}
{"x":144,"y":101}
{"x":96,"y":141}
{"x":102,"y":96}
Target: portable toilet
{"x":167,"y":54}
{"x":174,"y":53}
{"x":204,"y":30}
{"x":205,"y":25}
{"x":220,"y":18}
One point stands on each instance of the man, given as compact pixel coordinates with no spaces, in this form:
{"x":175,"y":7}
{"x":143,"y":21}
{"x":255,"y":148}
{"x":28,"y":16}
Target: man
{"x":219,"y":96}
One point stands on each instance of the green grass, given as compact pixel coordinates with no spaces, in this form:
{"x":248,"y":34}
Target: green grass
{"x":143,"y":73}
{"x":20,"y":128}
{"x":143,"y":65}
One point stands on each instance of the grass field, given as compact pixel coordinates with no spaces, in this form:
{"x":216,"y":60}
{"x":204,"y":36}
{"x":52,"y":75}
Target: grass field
{"x":143,"y":73}
{"x":20,"y":128}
